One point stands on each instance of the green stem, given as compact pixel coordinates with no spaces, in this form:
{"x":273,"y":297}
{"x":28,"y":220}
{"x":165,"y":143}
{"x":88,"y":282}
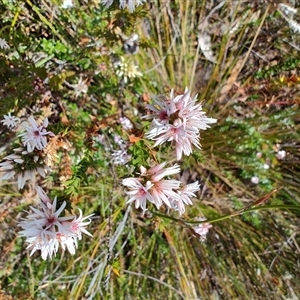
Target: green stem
{"x":237,"y":213}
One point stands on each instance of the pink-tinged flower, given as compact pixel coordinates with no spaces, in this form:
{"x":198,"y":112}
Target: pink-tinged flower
{"x":46,"y":230}
{"x":35,"y":136}
{"x":139,"y":192}
{"x":153,"y":187}
{"x":159,"y":171}
{"x":202,"y":229}
{"x":185,"y":194}
{"x":10,"y":121}
{"x":78,"y":224}
{"x":23,"y":166}
{"x":165,"y":191}
{"x":177,"y":119}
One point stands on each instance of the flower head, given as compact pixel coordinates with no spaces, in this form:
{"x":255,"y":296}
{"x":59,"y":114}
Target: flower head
{"x":185,"y":194}
{"x":255,"y":180}
{"x":130,"y":4}
{"x":35,"y":136}
{"x":120,"y":157}
{"x":281,"y":154}
{"x":46,"y":230}
{"x":10,"y":121}
{"x":81,"y":87}
{"x":152,"y":186}
{"x":202,"y":229}
{"x":126,"y":70}
{"x":3,"y":44}
{"x":177,"y":119}
{"x":24,"y":166}
{"x":126,"y":123}
{"x":67,"y":4}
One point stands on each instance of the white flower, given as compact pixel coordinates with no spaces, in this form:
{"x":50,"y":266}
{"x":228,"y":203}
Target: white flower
{"x":120,"y":157}
{"x":178,"y":120}
{"x":35,"y":136}
{"x":79,"y":88}
{"x":138,"y":192}
{"x":125,"y":123}
{"x":281,"y":154}
{"x":126,"y":70}
{"x":159,"y":171}
{"x":45,"y":230}
{"x":24,"y":166}
{"x":185,"y":193}
{"x":10,"y":121}
{"x":255,"y":180}
{"x":3,"y":44}
{"x":67,"y":4}
{"x":202,"y":229}
{"x":152,"y":186}
{"x":78,"y":224}
{"x":130,"y":4}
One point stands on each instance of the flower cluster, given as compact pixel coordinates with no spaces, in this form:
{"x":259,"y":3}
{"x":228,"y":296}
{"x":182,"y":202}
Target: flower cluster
{"x":177,"y":119}
{"x":126,"y":70}
{"x":26,"y":161}
{"x":46,"y":230}
{"x":43,"y":228}
{"x":121,"y":156}
{"x":152,"y":186}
